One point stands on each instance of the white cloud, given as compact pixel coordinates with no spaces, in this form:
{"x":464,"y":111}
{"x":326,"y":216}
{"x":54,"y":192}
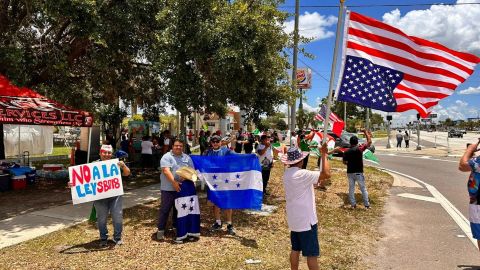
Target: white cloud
{"x":309,"y":108}
{"x":312,"y":25}
{"x":461,"y":103}
{"x":470,"y":91}
{"x":455,"y":26}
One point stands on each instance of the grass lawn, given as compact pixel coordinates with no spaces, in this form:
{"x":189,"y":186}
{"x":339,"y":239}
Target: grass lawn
{"x":380,"y":134}
{"x":345,"y":236}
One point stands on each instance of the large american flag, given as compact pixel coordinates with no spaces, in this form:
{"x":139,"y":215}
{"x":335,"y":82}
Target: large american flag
{"x":387,"y":70}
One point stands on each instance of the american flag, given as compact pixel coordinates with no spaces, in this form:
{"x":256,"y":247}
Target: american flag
{"x":323,"y":112}
{"x":387,"y":70}
{"x":337,"y":124}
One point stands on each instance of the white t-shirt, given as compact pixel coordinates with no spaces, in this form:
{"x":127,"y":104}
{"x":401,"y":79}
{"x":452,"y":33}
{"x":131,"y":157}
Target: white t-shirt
{"x":301,"y":209}
{"x":147,"y":147}
{"x":294,"y":141}
{"x":267,"y":158}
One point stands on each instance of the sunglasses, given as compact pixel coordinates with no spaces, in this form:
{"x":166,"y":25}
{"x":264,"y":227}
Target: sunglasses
{"x":215,"y":141}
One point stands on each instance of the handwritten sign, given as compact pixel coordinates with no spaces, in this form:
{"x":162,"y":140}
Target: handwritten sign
{"x":95,"y":181}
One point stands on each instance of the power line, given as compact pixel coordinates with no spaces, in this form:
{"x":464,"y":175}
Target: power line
{"x":308,"y":66}
{"x":384,"y":5}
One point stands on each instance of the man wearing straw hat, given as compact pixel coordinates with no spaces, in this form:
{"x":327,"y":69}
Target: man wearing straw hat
{"x":300,"y":204}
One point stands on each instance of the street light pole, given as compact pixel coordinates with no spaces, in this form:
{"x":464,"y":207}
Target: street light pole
{"x":293,"y":123}
{"x":389,"y":117}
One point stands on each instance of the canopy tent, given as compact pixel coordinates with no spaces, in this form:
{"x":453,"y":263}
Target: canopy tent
{"x":24,"y":106}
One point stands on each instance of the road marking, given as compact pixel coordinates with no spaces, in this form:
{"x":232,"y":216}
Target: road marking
{"x":456,"y":215}
{"x":418,"y":197}
{"x":421,"y":157}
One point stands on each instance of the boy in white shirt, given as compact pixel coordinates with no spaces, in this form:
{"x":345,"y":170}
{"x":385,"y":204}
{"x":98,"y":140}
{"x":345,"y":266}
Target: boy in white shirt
{"x":300,"y":205}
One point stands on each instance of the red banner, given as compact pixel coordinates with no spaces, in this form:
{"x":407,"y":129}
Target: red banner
{"x":26,"y":107}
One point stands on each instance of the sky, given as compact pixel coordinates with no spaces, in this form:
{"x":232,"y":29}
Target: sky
{"x":455,"y":26}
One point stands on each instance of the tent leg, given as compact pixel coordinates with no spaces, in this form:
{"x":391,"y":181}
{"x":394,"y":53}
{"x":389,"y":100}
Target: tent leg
{"x":89,"y":143}
{"x":19,"y":148}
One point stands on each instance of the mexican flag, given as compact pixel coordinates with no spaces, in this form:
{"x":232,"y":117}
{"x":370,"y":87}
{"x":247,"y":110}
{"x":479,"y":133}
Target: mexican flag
{"x":368,"y":155}
{"x":317,"y":140}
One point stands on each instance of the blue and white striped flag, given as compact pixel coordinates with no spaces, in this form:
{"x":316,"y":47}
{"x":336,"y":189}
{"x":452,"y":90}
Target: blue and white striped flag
{"x":234,"y":181}
{"x":188,"y":211}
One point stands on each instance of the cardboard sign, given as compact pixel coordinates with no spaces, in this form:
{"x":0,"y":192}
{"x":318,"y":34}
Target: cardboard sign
{"x":95,"y":181}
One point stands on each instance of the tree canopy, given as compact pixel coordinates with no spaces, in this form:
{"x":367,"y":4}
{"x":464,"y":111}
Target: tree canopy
{"x":196,"y":55}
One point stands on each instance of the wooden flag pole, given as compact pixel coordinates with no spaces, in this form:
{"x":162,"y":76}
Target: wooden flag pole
{"x":332,"y":74}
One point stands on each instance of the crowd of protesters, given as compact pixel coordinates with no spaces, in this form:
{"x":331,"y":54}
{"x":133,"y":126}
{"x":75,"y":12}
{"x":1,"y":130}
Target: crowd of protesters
{"x":168,"y":154}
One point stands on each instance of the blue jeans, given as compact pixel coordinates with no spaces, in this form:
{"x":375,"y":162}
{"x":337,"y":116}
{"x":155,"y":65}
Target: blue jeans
{"x":360,"y":179}
{"x":114,"y":205}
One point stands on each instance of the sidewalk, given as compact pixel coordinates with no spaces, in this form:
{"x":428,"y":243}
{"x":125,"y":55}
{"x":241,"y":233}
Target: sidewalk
{"x":28,"y":226}
{"x":439,"y":151}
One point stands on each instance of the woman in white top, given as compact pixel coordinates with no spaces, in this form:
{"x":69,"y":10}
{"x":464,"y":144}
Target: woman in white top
{"x":146,"y":152}
{"x":265,"y":155}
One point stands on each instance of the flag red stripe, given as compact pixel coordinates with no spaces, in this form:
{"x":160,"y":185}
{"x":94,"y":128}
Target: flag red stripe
{"x":407,"y":48}
{"x":419,"y":80}
{"x":422,"y":42}
{"x":405,"y":96}
{"x":419,"y":93}
{"x":404,"y":61}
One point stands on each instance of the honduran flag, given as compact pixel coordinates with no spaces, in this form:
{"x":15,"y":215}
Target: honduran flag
{"x":188,"y":217}
{"x":234,"y":181}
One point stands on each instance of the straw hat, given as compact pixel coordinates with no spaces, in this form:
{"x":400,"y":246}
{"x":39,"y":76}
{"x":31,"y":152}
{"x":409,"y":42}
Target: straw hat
{"x":293,"y":156}
{"x":187,"y":173}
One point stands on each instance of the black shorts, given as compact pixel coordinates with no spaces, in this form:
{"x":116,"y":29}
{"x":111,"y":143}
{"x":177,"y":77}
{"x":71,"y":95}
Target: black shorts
{"x":306,"y":241}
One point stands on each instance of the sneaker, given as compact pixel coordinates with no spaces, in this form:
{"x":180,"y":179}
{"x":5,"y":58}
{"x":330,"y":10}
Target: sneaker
{"x":216,"y":227}
{"x":177,"y":241}
{"x":230,"y":229}
{"x":367,"y":207}
{"x":354,"y":206}
{"x":103,"y":243}
{"x":160,"y":235}
{"x":118,"y":242}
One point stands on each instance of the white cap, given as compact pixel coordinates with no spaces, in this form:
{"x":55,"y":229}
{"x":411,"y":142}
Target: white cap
{"x":107,"y":148}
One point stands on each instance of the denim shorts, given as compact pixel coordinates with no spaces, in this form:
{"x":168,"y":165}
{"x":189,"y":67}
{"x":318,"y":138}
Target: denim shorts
{"x":306,"y":241}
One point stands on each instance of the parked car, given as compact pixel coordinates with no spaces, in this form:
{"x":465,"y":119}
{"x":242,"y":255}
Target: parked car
{"x":455,"y":133}
{"x":344,"y":142}
{"x":463,"y":131}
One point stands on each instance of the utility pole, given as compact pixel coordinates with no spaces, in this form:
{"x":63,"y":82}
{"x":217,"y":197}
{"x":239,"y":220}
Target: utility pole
{"x":293,"y":123}
{"x":418,"y":132}
{"x":389,"y":119}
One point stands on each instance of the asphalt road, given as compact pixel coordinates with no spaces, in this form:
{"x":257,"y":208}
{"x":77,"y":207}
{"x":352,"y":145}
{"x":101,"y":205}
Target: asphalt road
{"x":422,"y":234}
{"x":440,"y":172}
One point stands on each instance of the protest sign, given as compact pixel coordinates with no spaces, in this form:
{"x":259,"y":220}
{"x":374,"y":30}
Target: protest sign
{"x":95,"y":181}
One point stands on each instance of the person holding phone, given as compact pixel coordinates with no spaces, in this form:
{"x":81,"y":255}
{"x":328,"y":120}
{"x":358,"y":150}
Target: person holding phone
{"x":470,"y":163}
